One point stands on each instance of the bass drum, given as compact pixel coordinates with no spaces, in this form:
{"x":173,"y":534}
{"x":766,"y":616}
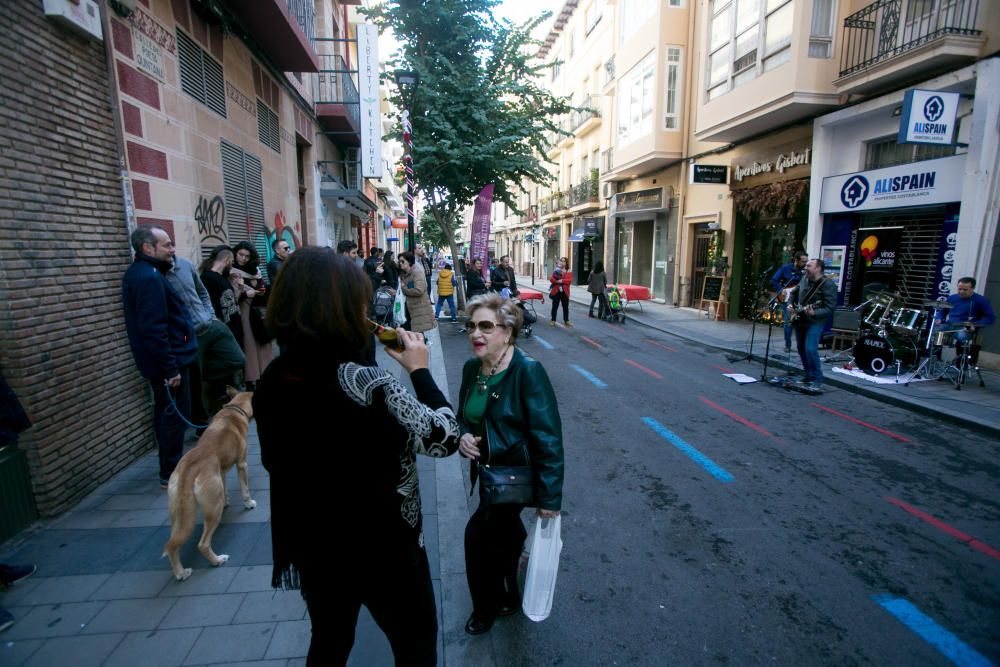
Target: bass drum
{"x":875,"y":355}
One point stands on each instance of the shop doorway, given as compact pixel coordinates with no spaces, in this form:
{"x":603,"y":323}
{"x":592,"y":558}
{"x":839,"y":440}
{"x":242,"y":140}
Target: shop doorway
{"x":623,"y":271}
{"x":662,"y":269}
{"x":699,"y":265}
{"x":768,"y":244}
{"x":583,"y":261}
{"x":642,"y":254}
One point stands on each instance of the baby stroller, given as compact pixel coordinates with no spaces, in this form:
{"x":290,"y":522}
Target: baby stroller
{"x":615,"y":311}
{"x":528,"y":315}
{"x":382,"y":306}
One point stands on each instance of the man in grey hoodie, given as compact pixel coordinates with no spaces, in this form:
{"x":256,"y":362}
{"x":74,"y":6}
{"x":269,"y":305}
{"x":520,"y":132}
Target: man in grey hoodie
{"x":220,"y":359}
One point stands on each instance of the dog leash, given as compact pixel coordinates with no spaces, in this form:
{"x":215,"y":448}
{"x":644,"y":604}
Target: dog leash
{"x":172,"y":408}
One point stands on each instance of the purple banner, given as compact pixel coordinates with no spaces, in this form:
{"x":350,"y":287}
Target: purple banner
{"x":481,"y":227}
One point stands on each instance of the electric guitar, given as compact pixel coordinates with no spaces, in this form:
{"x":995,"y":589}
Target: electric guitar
{"x":799,"y":310}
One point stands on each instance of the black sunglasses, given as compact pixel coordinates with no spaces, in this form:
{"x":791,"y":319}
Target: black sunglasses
{"x":486,"y":326}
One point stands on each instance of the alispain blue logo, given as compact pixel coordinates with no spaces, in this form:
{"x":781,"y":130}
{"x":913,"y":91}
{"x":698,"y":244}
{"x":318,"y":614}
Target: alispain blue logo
{"x":855,"y":191}
{"x":933,"y":108}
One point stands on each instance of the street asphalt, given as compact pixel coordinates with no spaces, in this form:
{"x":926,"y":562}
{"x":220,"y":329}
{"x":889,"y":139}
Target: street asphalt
{"x":704,"y":523}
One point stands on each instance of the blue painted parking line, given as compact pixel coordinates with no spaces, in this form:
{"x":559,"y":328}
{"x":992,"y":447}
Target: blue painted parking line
{"x":590,"y":376}
{"x":708,"y":464}
{"x":544,"y":343}
{"x":944,"y":641}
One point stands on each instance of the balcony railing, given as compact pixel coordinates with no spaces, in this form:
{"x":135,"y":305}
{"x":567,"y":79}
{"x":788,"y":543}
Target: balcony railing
{"x":888,"y":28}
{"x":334,"y":85}
{"x":304,"y":12}
{"x":577,"y":118}
{"x":544,"y":206}
{"x":560,"y":200}
{"x":584,"y":193}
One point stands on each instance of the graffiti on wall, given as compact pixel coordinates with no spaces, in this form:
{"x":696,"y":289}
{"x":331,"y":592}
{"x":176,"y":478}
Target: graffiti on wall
{"x":210,"y":216}
{"x":282,"y":230}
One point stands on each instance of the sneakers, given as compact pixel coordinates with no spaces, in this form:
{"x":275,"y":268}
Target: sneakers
{"x":788,"y":350}
{"x":567,"y":323}
{"x":815,"y":386}
{"x":6,"y":620}
{"x":552,"y":323}
{"x":11,"y":574}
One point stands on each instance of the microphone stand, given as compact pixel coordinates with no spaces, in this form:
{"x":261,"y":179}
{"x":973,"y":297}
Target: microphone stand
{"x":770,"y":326}
{"x":755,"y":316}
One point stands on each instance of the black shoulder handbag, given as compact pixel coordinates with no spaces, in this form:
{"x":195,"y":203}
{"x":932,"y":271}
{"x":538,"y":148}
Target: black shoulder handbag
{"x":506,"y":485}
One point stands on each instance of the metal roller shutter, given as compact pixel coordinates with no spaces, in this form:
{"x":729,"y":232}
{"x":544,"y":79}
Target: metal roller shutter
{"x":921,"y":237}
{"x":243,"y":187}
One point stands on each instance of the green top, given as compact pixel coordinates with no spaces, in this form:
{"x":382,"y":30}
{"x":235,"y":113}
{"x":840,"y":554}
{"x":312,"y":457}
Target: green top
{"x":475,"y":404}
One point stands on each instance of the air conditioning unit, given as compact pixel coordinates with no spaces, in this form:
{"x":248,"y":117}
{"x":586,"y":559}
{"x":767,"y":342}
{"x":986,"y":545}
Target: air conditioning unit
{"x":82,"y":16}
{"x":609,"y":190}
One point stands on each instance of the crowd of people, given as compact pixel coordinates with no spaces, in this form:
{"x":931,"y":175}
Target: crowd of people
{"x":189,"y":326}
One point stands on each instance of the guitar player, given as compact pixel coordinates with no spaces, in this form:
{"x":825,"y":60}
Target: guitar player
{"x":783,"y":280}
{"x":811,"y":302}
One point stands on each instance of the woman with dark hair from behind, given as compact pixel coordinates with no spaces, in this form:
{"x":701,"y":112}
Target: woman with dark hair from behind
{"x":596,"y":285}
{"x":390,"y":271}
{"x":246,"y":267}
{"x":317,"y":311}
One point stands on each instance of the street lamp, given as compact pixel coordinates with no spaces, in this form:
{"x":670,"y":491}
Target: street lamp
{"x":407,"y":83}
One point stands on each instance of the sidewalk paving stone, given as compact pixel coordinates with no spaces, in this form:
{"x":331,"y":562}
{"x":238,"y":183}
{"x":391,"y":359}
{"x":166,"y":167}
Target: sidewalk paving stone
{"x":159,"y":648}
{"x":130,"y":615}
{"x":68,"y":552}
{"x":231,"y":643}
{"x":128,"y":501}
{"x":87,"y":519}
{"x":203,"y":582}
{"x":129,"y":585}
{"x":201,"y":611}
{"x":139,"y":518}
{"x":75,"y":651}
{"x":291,"y":639}
{"x":252,"y":578}
{"x":15,"y":654}
{"x":76,"y":588}
{"x":273,"y":605}
{"x":55,"y":620}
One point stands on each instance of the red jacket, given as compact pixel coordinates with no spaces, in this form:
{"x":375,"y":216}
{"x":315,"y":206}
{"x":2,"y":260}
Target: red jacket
{"x":560,"y":281}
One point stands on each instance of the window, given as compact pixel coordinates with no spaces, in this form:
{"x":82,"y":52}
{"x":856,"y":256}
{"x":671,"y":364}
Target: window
{"x":635,"y":102}
{"x":672,"y":89}
{"x":887,"y":153}
{"x":243,"y":188}
{"x":674,"y":3}
{"x":593,"y":15}
{"x":635,"y":14}
{"x":821,"y":30}
{"x":201,"y":75}
{"x":747,"y":38}
{"x":267,"y":127}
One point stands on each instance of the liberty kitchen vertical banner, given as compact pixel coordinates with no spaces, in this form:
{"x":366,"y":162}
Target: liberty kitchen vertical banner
{"x":876,"y":256}
{"x":481,"y":227}
{"x":371,"y":119}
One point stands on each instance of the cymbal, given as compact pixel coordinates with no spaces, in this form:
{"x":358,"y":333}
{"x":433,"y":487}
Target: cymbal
{"x":943,"y":305}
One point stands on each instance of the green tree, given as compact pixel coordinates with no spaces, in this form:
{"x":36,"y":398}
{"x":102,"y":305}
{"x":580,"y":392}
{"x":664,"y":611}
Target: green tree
{"x":481,"y":110}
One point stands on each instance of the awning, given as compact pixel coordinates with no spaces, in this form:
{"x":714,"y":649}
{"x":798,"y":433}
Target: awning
{"x":346,"y":199}
{"x":586,"y":229}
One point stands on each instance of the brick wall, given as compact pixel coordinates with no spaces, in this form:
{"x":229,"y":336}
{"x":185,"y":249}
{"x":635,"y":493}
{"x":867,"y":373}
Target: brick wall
{"x":63,"y":250}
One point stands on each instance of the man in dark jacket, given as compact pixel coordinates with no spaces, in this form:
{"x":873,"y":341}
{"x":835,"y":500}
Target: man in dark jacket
{"x":162,"y":338}
{"x":280,"y":248}
{"x":811,"y":303}
{"x":503,"y":276}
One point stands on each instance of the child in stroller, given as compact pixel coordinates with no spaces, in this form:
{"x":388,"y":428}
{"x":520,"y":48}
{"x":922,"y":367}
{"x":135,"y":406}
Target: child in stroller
{"x":615,"y":313}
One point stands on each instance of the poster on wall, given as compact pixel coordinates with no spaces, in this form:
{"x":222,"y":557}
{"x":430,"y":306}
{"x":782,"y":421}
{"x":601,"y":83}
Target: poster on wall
{"x":833,"y":260}
{"x":876,"y":253}
{"x":944,"y":270}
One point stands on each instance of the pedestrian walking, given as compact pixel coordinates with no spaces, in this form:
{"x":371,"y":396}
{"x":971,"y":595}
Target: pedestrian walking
{"x":597,"y":285}
{"x":413,"y":282}
{"x":162,"y":338}
{"x":252,"y":304}
{"x":425,"y":262}
{"x":509,"y":417}
{"x":317,"y":311}
{"x":446,"y":292}
{"x":560,"y":280}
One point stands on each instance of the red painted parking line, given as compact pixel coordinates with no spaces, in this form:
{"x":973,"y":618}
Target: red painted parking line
{"x":941,"y":525}
{"x":733,"y":415}
{"x":592,"y":342}
{"x":644,"y":369}
{"x":661,"y":345}
{"x":722,"y":368}
{"x":879,"y":429}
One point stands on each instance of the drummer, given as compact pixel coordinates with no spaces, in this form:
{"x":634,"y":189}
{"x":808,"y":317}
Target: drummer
{"x":969,"y":311}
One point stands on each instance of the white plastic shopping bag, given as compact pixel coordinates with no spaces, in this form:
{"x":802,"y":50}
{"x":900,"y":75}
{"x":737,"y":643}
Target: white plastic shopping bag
{"x":543,"y":566}
{"x":399,"y":308}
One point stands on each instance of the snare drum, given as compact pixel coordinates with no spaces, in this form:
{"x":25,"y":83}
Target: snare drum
{"x":907,"y":321}
{"x":945,"y":338}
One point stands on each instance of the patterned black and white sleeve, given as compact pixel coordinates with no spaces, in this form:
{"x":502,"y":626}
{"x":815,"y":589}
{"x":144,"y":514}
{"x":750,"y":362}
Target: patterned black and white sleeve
{"x":427,"y":417}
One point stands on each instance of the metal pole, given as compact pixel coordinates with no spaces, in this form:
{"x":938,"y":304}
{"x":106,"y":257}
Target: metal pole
{"x":408,"y":167}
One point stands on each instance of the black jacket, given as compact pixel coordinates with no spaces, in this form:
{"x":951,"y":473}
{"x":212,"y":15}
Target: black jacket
{"x":522,"y":424}
{"x":499,"y":275}
{"x":823,"y":299}
{"x":272,"y":269}
{"x":159,"y":329}
{"x":474,"y":283}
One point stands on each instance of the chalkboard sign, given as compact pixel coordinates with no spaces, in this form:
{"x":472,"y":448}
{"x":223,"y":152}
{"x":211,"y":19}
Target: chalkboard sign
{"x":712,"y":289}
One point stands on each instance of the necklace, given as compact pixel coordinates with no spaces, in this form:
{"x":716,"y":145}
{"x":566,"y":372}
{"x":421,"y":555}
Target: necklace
{"x":482,"y":381}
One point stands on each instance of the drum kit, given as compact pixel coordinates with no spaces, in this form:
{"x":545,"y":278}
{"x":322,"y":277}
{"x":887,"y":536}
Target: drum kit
{"x":892,"y":337}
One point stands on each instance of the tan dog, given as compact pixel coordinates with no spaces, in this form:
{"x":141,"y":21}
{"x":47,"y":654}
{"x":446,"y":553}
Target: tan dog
{"x":200,"y":479}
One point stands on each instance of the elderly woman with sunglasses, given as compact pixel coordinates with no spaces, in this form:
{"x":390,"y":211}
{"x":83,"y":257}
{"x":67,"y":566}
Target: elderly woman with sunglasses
{"x":509,"y":416}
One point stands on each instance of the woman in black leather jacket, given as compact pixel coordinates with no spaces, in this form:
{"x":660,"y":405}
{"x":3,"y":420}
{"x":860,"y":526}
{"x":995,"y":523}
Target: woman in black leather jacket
{"x":475,"y":284}
{"x":508,"y":415}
